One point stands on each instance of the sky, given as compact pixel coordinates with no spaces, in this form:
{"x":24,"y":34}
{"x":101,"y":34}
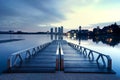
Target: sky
{"x":41,"y":15}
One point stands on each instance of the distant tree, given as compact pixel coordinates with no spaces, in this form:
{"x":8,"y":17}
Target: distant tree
{"x":115,"y":28}
{"x":97,"y":31}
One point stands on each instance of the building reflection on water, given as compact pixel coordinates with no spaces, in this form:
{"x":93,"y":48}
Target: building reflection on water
{"x":109,"y":40}
{"x":56,"y":37}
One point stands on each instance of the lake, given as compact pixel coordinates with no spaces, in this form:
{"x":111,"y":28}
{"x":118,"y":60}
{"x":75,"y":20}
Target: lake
{"x":10,"y":47}
{"x":7,"y":48}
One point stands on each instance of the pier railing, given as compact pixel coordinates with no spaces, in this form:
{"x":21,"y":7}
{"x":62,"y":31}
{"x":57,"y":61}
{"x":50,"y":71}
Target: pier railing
{"x":17,"y":58}
{"x":94,"y":55}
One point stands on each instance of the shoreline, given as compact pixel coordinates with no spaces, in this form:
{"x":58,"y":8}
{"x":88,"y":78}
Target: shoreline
{"x":10,"y":40}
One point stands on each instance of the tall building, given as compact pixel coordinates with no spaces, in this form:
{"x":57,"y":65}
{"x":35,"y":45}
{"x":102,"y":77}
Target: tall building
{"x":51,"y":31}
{"x":79,"y":28}
{"x":55,"y":30}
{"x":79,"y":31}
{"x":61,"y":30}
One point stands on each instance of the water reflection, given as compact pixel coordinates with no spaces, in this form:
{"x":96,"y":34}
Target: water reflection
{"x":109,"y":45}
{"x":6,"y":49}
{"x":109,"y":40}
{"x":56,"y":37}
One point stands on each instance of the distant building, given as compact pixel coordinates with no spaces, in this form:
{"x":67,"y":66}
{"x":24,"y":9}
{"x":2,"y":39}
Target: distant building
{"x":19,"y":32}
{"x":107,"y":30}
{"x":79,"y":31}
{"x":51,"y":31}
{"x":11,"y":31}
{"x":56,"y":30}
{"x":72,"y":33}
{"x":84,"y":32}
{"x":79,"y":28}
{"x":97,"y":31}
{"x":61,"y":30}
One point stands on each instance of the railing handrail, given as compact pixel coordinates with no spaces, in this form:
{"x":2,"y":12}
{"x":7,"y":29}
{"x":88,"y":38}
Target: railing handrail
{"x":18,"y":54}
{"x":21,"y":51}
{"x":109,"y":59}
{"x":94,"y":51}
{"x":91,"y":50}
{"x":97,"y":52}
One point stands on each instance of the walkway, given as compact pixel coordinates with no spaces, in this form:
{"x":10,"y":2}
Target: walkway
{"x":75,"y":61}
{"x":61,"y":56}
{"x":43,"y":61}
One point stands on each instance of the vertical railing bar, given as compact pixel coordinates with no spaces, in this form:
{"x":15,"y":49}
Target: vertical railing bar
{"x":92,"y":55}
{"x":98,"y":57}
{"x":89,"y":54}
{"x":15,"y":60}
{"x":109,"y":63}
{"x":103,"y":60}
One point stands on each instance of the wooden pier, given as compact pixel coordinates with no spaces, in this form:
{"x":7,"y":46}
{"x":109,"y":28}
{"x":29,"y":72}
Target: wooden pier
{"x":59,"y":55}
{"x":80,"y":59}
{"x":38,"y":59}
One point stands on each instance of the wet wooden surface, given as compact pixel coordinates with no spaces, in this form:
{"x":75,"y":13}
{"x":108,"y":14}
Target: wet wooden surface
{"x":75,"y":62}
{"x":44,"y":61}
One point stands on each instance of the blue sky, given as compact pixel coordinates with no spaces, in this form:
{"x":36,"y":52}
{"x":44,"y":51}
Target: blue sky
{"x":39,"y":15}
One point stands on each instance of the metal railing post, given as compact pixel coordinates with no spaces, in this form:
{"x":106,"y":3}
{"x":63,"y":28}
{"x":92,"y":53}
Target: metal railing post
{"x":109,"y":65}
{"x":91,"y":55}
{"x":9,"y":64}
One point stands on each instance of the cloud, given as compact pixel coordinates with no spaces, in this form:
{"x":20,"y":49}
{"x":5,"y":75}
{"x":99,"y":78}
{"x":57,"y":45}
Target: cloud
{"x":29,"y":13}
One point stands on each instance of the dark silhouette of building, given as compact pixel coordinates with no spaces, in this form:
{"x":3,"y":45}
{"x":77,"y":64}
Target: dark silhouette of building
{"x":56,"y":30}
{"x":79,"y":32}
{"x":72,"y":33}
{"x":97,"y":31}
{"x":51,"y":31}
{"x":61,"y":30}
{"x":11,"y":31}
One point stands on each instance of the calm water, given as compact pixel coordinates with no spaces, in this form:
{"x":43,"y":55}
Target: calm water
{"x":33,"y":40}
{"x":105,"y":48}
{"x":10,"y":47}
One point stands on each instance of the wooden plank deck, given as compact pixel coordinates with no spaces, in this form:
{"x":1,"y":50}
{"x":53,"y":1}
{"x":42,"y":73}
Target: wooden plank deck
{"x":69,"y":60}
{"x":44,"y":61}
{"x":75,"y":62}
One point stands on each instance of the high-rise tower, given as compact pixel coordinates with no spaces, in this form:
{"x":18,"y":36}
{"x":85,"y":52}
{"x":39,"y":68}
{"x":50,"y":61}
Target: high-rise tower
{"x":51,"y":31}
{"x":56,"y":30}
{"x":61,"y":30}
